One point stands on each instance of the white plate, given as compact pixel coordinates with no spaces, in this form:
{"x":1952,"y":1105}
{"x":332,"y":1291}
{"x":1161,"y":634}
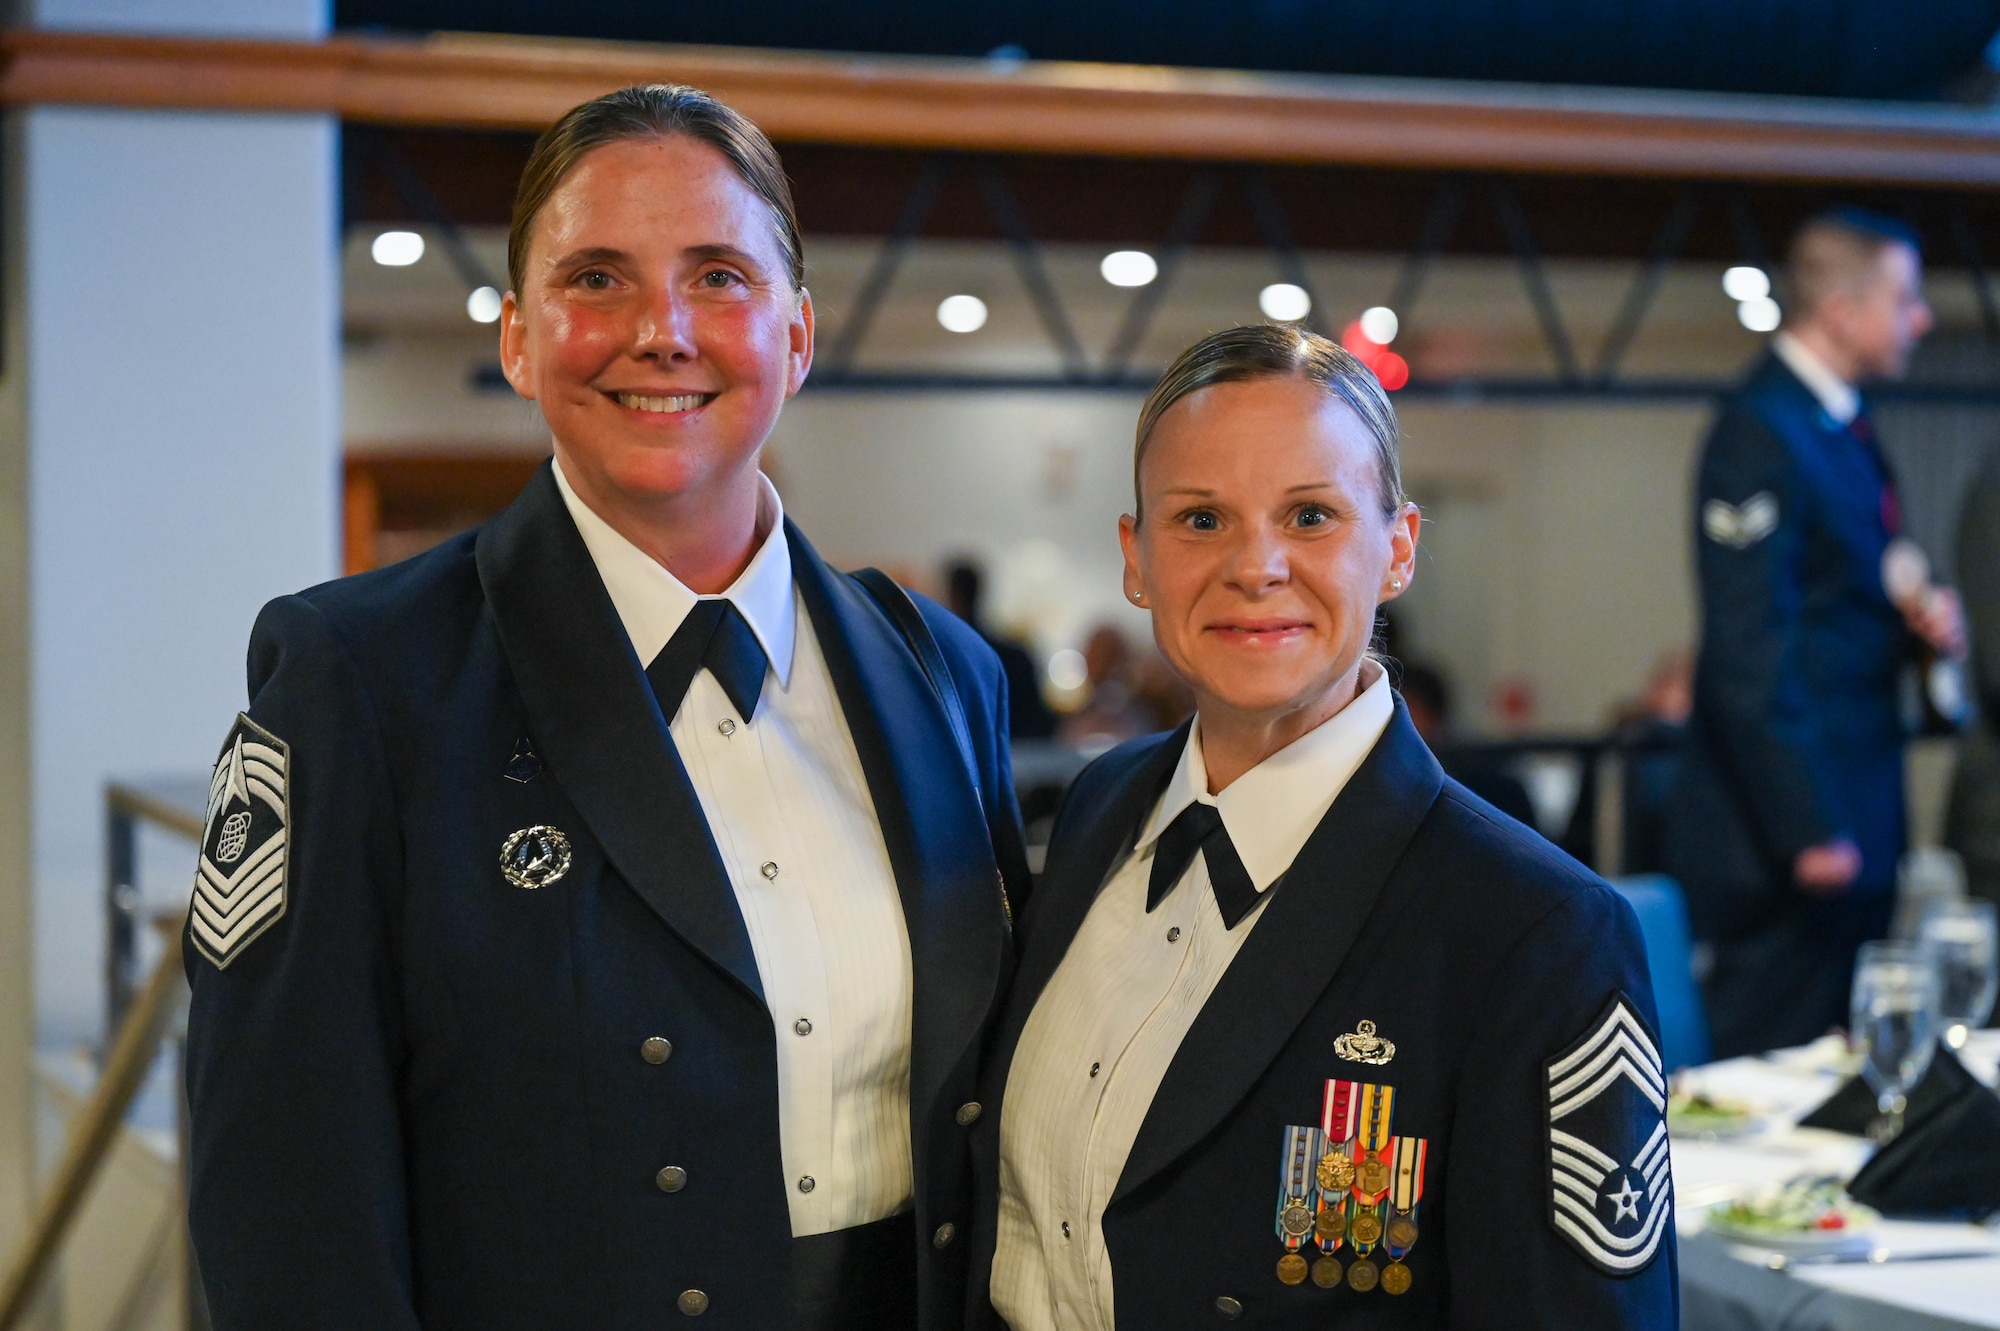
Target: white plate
{"x":1857,"y":1237}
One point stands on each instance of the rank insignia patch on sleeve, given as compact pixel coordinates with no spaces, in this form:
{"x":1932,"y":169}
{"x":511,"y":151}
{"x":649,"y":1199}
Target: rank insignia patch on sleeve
{"x":239,"y":882}
{"x":1739,"y":528}
{"x":1610,"y":1184}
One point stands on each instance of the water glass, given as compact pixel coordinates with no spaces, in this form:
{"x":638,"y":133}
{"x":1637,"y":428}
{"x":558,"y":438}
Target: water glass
{"x":1964,"y":936}
{"x":1894,"y":1024}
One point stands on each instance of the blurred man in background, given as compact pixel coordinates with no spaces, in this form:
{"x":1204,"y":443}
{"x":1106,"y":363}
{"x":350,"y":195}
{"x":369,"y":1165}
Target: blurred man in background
{"x":1972,"y":822}
{"x":1029,"y":716}
{"x":1792,"y":822}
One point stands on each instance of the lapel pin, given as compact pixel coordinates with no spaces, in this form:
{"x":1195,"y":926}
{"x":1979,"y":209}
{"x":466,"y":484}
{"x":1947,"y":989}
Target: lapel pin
{"x":1362,"y":1045}
{"x":524,"y":766}
{"x":534,"y":857}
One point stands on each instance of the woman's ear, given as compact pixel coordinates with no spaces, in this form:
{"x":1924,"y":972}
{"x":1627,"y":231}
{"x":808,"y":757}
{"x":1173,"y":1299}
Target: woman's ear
{"x":1404,"y":527}
{"x":515,"y":362}
{"x":1128,"y":541}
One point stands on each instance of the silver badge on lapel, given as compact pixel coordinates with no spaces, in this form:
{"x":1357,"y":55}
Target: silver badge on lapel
{"x":1363,"y":1045}
{"x":1610,"y":1181}
{"x":535,"y":857}
{"x":239,"y":880}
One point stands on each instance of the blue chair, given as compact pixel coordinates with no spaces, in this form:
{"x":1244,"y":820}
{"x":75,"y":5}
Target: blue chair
{"x":1663,"y":921}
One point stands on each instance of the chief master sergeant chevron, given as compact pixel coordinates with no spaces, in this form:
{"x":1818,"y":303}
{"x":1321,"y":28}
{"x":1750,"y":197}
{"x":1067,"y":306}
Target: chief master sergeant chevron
{"x":600,"y":916}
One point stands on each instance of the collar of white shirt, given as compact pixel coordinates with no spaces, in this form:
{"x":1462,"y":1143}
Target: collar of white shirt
{"x":1835,"y":394}
{"x":1273,"y":808}
{"x":652,"y":602}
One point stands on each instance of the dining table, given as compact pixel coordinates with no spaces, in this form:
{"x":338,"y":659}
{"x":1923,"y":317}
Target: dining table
{"x":1904,"y":1274}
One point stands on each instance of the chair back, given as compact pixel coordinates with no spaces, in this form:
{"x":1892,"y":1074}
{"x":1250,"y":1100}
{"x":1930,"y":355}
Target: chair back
{"x":1663,"y":921}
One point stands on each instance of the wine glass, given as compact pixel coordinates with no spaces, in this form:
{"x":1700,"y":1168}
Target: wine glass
{"x":1966,"y":939}
{"x":1894,"y":1024}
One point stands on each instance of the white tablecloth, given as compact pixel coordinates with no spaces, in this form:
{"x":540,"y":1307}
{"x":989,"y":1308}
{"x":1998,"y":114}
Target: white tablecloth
{"x":1784,"y":1087}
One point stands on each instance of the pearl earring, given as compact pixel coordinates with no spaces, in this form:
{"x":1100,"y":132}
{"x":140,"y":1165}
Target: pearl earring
{"x":1138,"y":598}
{"x":1395,"y":584}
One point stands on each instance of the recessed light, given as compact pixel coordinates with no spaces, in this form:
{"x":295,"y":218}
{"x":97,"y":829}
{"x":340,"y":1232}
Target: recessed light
{"x":397,"y":249}
{"x":962,"y":314}
{"x":1129,"y":268}
{"x":1746,"y":283}
{"x":1759,"y":315}
{"x":483,"y":305}
{"x":1284,"y":303}
{"x":1379,"y":325}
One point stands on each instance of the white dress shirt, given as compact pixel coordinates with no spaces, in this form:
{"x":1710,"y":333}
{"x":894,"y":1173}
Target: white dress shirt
{"x":791,"y":814}
{"x":1104,"y":1031}
{"x":1836,"y":395}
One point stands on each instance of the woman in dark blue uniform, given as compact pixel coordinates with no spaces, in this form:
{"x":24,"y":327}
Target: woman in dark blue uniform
{"x":600,"y":916}
{"x":1304,"y":1033}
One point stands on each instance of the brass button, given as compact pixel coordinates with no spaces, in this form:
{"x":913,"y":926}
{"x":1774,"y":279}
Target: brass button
{"x":770,"y":869}
{"x":671,"y":1179}
{"x":727,"y":727}
{"x":1229,"y":1307}
{"x":945,"y":1234}
{"x":692,"y":1302}
{"x":802,"y":1027}
{"x":968,"y":1113}
{"x":806,"y":1183}
{"x":656,"y":1049}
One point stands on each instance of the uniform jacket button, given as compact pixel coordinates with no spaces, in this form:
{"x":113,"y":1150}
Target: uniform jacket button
{"x":692,"y":1302}
{"x":968,"y":1113}
{"x":1229,"y":1307}
{"x":671,"y":1179}
{"x":945,"y":1234}
{"x":656,"y":1049}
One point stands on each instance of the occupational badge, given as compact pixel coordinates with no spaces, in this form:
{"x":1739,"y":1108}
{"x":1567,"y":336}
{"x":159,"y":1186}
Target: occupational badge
{"x":239,"y":880}
{"x":1610,"y":1184}
{"x":1740,"y":526}
{"x":534,"y":857}
{"x":1362,"y":1045}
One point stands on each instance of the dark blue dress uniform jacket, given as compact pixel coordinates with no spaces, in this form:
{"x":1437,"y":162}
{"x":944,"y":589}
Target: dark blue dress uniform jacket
{"x":1476,"y":947}
{"x":1797,"y":735}
{"x":418,"y":1099}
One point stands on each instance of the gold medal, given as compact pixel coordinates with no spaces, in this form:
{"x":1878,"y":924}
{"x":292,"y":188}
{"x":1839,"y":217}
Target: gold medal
{"x":1336,"y":1172}
{"x":1326,"y":1273}
{"x":1367,"y":1229}
{"x":1297,"y":1218}
{"x":1374,"y":1176}
{"x":1328,"y":1226}
{"x":1396,"y":1278}
{"x":1292,"y":1269}
{"x":1362,"y":1276}
{"x":1402,"y":1233}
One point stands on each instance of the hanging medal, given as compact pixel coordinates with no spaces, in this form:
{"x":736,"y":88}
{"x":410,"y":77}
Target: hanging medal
{"x":1373,"y":1176}
{"x":1335,"y":1175}
{"x":1405,"y":1192}
{"x":1298,"y":1198}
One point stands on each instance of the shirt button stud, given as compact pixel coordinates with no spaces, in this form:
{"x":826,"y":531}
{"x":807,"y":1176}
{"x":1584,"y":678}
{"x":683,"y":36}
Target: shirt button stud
{"x":770,"y":869}
{"x":1174,"y":934}
{"x":806,"y":1183}
{"x":726,"y":726}
{"x":1229,"y":1307}
{"x":1094,"y":1067}
{"x":671,"y":1179}
{"x":1065,"y":1229}
{"x":656,"y":1049}
{"x":968,"y":1113}
{"x":802,"y":1027}
{"x":945,"y":1234}
{"x":692,"y":1302}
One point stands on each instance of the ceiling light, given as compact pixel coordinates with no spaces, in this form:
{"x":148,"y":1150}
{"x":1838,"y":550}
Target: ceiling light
{"x":962,"y":314}
{"x":1759,"y":315}
{"x":1284,"y":303}
{"x":483,"y":305}
{"x":1129,"y":268}
{"x":1068,"y":671}
{"x":1379,"y":325}
{"x":1745,"y":283}
{"x":397,"y":249}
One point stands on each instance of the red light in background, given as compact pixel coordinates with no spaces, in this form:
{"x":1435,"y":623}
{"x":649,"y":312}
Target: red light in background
{"x":1390,"y":368}
{"x":1393,"y":371}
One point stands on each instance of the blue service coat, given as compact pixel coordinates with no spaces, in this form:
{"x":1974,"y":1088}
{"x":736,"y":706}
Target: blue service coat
{"x":418,"y":1097}
{"x":1797,"y":734}
{"x":1487,"y":957}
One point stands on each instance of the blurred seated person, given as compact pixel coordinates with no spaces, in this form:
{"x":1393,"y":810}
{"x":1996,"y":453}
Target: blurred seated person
{"x":1652,"y":729}
{"x":1428,"y":697}
{"x":1028,"y":715}
{"x":1111,"y":712}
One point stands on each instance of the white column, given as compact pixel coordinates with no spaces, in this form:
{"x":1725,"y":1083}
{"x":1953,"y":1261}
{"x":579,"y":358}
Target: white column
{"x":171,"y":380}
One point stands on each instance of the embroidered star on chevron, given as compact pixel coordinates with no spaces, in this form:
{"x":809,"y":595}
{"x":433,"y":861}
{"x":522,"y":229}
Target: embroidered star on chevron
{"x":1610,"y":1182}
{"x":239,"y":881}
{"x":1740,"y":526}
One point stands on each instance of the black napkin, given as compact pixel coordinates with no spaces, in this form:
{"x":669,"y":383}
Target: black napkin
{"x":1852,"y":1108}
{"x":1948,"y":1165}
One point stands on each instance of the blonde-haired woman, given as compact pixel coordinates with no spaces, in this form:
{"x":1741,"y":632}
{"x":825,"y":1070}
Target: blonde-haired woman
{"x":1304,"y":1033}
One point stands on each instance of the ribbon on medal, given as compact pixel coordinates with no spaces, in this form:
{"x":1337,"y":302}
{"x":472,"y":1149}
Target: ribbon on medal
{"x":1298,"y":1198}
{"x":1339,"y":1114}
{"x":1405,"y":1193}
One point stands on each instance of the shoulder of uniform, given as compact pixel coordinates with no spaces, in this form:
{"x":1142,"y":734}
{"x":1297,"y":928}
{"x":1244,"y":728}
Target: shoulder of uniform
{"x":958,"y":640}
{"x":1512,"y":867}
{"x":385,"y":603}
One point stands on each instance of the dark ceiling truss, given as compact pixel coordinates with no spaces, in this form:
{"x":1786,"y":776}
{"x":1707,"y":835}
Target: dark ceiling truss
{"x":442,"y":180}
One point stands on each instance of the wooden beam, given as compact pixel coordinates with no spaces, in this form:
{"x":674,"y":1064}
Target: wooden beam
{"x":1051,"y":108}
